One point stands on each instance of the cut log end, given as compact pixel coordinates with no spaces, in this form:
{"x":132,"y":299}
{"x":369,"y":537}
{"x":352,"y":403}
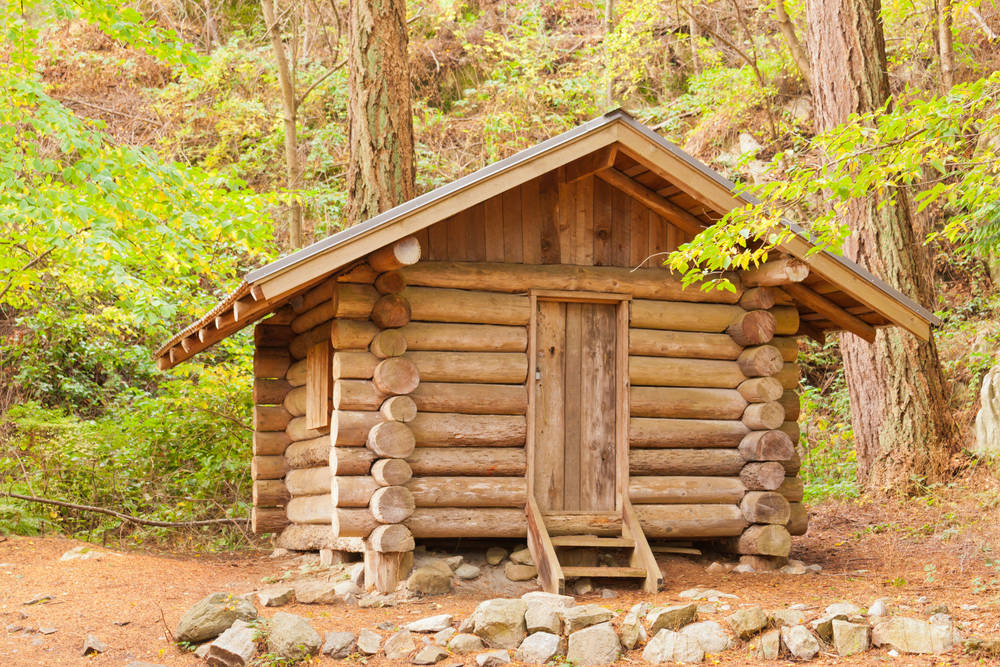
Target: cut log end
{"x":392,"y":504}
{"x":391,"y":311}
{"x":404,"y":252}
{"x":753,"y":327}
{"x":391,"y":440}
{"x":396,"y":376}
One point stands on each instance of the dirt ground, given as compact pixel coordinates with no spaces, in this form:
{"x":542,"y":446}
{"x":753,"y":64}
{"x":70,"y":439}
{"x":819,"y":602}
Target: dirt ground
{"x":944,"y":548}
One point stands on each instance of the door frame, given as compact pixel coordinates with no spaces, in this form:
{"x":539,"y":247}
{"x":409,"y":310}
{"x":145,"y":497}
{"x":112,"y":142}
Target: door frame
{"x":621,"y":301}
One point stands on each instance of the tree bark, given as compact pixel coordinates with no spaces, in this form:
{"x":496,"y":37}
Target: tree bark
{"x":902,"y":426}
{"x":945,"y":43}
{"x":787,"y":28}
{"x":380,"y":172}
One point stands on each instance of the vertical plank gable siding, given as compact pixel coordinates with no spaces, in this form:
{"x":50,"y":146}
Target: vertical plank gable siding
{"x":548,"y":221}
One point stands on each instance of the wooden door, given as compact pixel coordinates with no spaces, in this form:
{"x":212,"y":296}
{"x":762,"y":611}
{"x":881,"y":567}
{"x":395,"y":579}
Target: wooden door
{"x":575,"y":399}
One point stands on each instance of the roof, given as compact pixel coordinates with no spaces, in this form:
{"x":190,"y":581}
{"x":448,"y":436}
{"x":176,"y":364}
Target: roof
{"x":265,"y":289}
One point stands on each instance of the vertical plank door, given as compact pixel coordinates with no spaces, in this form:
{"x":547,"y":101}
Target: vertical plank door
{"x":575,"y":394}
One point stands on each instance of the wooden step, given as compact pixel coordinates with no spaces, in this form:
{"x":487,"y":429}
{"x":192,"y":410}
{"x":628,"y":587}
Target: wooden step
{"x":583,"y":523}
{"x":593,"y":541}
{"x":616,"y":572}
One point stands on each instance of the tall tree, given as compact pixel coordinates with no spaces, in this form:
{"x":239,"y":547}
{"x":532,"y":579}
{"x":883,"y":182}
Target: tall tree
{"x":381,"y":172}
{"x":902,"y":426}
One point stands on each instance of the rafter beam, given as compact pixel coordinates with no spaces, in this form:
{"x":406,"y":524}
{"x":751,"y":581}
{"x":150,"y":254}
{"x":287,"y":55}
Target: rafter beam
{"x":832,"y":311}
{"x":662,"y":207}
{"x":603,"y":158}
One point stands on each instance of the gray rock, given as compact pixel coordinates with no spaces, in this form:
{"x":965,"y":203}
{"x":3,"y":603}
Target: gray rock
{"x":290,"y":636}
{"x":442,"y":636}
{"x":670,"y":646}
{"x":492,"y":658}
{"x":399,"y":645}
{"x":92,"y":646}
{"x":846,"y":609}
{"x":936,"y":619}
{"x":632,"y":631}
{"x":316,"y":592}
{"x":539,"y":648}
{"x":279,"y":553}
{"x":236,"y":647}
{"x":577,"y":618}
{"x":495,"y":555}
{"x":711,"y":637}
{"x":522,"y":556}
{"x":608,"y":594}
{"x":747,"y":622}
{"x":454,"y":562}
{"x":744,"y":568}
{"x":369,"y":642}
{"x":467,"y":571}
{"x":709,"y":594}
{"x":519,"y":572}
{"x":430,"y":624}
{"x":376,"y":600}
{"x":595,"y":645}
{"x":213,"y":615}
{"x":879,"y":607}
{"x":849,"y":638}
{"x":912,"y":635}
{"x":82,"y":552}
{"x":429,"y":580}
{"x":823,"y":626}
{"x":768,"y":646}
{"x":202,"y":651}
{"x":988,"y":418}
{"x":719,"y":568}
{"x":465,"y":643}
{"x":553,"y":599}
{"x":543,"y":616}
{"x":338,"y":645}
{"x":708,"y":608}
{"x":52,"y":631}
{"x":342,"y":588}
{"x":933,"y":609}
{"x":800,"y":642}
{"x":797,"y":568}
{"x":429,"y":655}
{"x":583,"y":586}
{"x":500,"y":623}
{"x":275,"y":596}
{"x":780,"y":617}
{"x":357,"y":574}
{"x":671,"y":618}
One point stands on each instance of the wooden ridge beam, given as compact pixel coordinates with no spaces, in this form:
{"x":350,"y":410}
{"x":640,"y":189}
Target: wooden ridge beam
{"x":663,"y":207}
{"x":599,"y":160}
{"x":832,"y":311}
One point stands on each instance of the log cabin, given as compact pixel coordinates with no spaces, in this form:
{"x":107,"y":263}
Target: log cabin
{"x":507,"y":357}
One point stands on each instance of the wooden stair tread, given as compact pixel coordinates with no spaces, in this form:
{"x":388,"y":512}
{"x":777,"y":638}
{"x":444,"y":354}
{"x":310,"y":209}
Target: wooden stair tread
{"x":593,"y":541}
{"x":600,"y":571}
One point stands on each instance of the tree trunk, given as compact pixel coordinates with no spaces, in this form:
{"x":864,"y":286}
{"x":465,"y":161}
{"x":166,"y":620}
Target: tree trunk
{"x":945,"y":43}
{"x":380,"y":174}
{"x":902,"y":425}
{"x":787,"y":28}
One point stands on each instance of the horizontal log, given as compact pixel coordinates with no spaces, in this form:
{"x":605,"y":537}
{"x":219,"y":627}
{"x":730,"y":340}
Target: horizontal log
{"x":763,"y":540}
{"x":773,"y":445}
{"x":353,"y":301}
{"x":457,"y":305}
{"x":653,"y":283}
{"x":295,"y":401}
{"x":297,"y":430}
{"x":764,"y":416}
{"x":268,"y":467}
{"x":272,"y":335}
{"x":776,"y":272}
{"x":760,"y":389}
{"x":686,"y":403}
{"x":310,"y":509}
{"x":670,"y":372}
{"x":352,"y":334}
{"x":398,"y":409}
{"x":390,"y":538}
{"x":660,"y":343}
{"x":758,"y":298}
{"x":391,"y":440}
{"x":441,"y":336}
{"x":792,"y":489}
{"x":789,"y":376}
{"x":310,"y":299}
{"x":269,"y":493}
{"x":477,"y":367}
{"x":788,"y":345}
{"x":351,"y":460}
{"x":787,"y":318}
{"x":393,"y":504}
{"x":685,"y":490}
{"x":350,"y":428}
{"x":300,"y":344}
{"x":789,"y":400}
{"x":353,"y":491}
{"x":390,"y":282}
{"x":765,"y":507}
{"x":270,"y":362}
{"x":474,"y":461}
{"x":296,"y":374}
{"x":674,"y":316}
{"x":308,"y":481}
{"x":469,"y":398}
{"x":649,"y":432}
{"x":391,"y":472}
{"x":396,"y":375}
{"x":762,"y":475}
{"x":308,"y":453}
{"x":265,"y":520}
{"x":469,"y":491}
{"x":582,"y":523}
{"x":443,"y":428}
{"x":352,"y":521}
{"x":404,"y":252}
{"x":753,"y":327}
{"x":431,"y":522}
{"x":270,"y":418}
{"x":270,"y":443}
{"x":798,"y":522}
{"x":354,"y":365}
{"x":760,"y":361}
{"x":690,"y":521}
{"x":356,"y":395}
{"x":388,"y":343}
{"x":391,"y":311}
{"x":700,"y":462}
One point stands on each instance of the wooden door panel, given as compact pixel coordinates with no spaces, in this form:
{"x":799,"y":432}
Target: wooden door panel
{"x":597,"y":418}
{"x":550,"y":335}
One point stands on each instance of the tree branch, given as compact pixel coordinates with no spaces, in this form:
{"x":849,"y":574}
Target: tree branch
{"x":799,"y":55}
{"x":128,"y":517}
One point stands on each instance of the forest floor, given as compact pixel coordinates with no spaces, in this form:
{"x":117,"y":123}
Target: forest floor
{"x":942,"y":548}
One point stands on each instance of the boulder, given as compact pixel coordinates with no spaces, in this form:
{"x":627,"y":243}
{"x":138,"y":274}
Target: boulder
{"x":357,"y":574}
{"x":429,"y":580}
{"x":539,"y":648}
{"x":492,"y":658}
{"x":338,"y":645}
{"x":912,"y":635}
{"x":236,"y":647}
{"x":430,"y":624}
{"x":213,"y":615}
{"x":583,"y":586}
{"x":500,"y":622}
{"x":577,"y":618}
{"x":709,"y":594}
{"x":671,"y":618}
{"x":747,"y":622}
{"x":780,"y":617}
{"x":495,"y":555}
{"x":522,"y":557}
{"x":711,"y":637}
{"x":553,"y":599}
{"x":633,"y":632}
{"x":768,"y":646}
{"x":290,"y":636}
{"x":595,"y":645}
{"x":800,"y":642}
{"x":316,"y":592}
{"x":846,"y":609}
{"x":669,"y":646}
{"x":429,"y":655}
{"x":879,"y":607}
{"x":342,"y":588}
{"x":454,"y":561}
{"x":369,"y":642}
{"x":544,"y":616}
{"x":467,"y":571}
{"x":988,"y":418}
{"x":442,"y":637}
{"x":519,"y":572}
{"x":275,"y":596}
{"x":399,"y":646}
{"x":849,"y":638}
{"x":465,"y":643}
